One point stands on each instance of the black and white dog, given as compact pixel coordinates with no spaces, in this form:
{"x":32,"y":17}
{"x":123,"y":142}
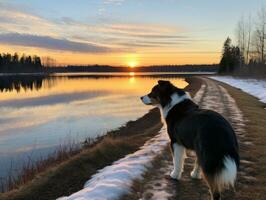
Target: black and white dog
{"x":204,"y":131}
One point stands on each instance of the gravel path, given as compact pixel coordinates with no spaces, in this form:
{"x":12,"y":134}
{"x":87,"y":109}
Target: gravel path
{"x":159,"y":187}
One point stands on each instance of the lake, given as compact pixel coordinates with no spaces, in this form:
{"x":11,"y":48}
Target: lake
{"x":38,"y":113}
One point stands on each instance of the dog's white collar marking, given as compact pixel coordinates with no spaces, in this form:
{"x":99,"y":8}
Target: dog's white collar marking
{"x":175,"y":99}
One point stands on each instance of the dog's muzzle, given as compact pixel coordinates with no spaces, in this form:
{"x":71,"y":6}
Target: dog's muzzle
{"x":146,"y":100}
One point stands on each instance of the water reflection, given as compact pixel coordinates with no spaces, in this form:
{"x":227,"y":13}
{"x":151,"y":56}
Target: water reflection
{"x":35,"y":82}
{"x":9,"y":83}
{"x":39,"y":112}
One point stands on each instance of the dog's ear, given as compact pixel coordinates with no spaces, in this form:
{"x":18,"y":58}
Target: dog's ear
{"x":164,"y":83}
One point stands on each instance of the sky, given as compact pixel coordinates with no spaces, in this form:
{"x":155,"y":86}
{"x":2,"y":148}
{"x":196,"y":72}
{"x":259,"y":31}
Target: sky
{"x":122,"y":32}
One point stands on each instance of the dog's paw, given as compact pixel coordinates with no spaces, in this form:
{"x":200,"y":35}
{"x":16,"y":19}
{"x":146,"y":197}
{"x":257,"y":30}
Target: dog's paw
{"x":195,"y":174}
{"x":175,"y":175}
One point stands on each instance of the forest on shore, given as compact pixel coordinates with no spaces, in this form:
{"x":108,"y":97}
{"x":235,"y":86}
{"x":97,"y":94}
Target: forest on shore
{"x":246,"y":55}
{"x":14,"y":63}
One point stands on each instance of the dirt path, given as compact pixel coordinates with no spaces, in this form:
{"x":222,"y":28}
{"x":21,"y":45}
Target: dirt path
{"x":156,"y":184}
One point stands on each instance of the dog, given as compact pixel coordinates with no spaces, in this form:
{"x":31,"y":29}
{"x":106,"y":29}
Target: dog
{"x":205,"y":132}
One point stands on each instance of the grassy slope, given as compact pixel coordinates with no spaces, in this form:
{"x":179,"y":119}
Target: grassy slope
{"x":70,"y":176}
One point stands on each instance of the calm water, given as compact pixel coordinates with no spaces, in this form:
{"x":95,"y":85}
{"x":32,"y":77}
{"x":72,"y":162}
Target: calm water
{"x":38,"y":113}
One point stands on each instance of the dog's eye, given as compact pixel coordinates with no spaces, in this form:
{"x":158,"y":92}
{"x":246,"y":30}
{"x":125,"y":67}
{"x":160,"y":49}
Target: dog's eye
{"x":151,"y":95}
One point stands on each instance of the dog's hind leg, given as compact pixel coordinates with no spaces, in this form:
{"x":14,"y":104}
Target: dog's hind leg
{"x":179,"y":154}
{"x":215,"y":191}
{"x":196,"y":172}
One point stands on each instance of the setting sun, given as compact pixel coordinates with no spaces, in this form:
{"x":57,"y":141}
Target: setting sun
{"x":132,"y":63}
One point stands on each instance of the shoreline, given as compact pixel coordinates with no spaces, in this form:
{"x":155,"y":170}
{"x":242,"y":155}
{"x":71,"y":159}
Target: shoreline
{"x":51,"y":183}
{"x":113,"y":140}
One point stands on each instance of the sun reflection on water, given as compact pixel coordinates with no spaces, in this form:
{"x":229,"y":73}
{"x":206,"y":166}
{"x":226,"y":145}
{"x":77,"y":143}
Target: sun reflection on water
{"x":131,"y":73}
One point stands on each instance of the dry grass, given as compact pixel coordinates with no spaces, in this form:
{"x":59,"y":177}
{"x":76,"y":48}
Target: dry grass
{"x":254,"y":111}
{"x":69,"y":176}
{"x":257,"y":71}
{"x":31,"y":168}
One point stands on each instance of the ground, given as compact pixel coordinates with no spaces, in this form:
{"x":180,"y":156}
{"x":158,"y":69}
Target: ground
{"x":248,"y":116}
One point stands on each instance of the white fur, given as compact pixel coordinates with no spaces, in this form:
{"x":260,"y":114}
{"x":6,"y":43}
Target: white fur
{"x":178,"y":161}
{"x":196,"y":172}
{"x":175,"y":99}
{"x":227,"y":176}
{"x":146,"y":100}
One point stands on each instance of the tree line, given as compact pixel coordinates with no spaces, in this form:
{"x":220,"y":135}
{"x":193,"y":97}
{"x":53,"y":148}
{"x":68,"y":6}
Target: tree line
{"x":248,"y":55}
{"x":14,"y":63}
{"x":156,"y":68}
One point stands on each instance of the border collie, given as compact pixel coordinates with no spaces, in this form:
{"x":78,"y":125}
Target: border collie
{"x":205,"y":132}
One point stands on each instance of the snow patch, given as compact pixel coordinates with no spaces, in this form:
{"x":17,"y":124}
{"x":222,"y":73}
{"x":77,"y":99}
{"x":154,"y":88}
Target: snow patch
{"x":254,"y":87}
{"x":115,"y":180}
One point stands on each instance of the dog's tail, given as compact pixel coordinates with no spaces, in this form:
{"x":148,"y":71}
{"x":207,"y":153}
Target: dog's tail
{"x":225,"y":177}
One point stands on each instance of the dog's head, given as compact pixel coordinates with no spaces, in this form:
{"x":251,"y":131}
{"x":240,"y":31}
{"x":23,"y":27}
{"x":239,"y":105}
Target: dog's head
{"x":162,"y":94}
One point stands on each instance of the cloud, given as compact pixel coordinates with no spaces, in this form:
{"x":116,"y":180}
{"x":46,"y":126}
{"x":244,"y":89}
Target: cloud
{"x":16,"y":19}
{"x":124,"y":31}
{"x":48,"y":42}
{"x":23,"y":28}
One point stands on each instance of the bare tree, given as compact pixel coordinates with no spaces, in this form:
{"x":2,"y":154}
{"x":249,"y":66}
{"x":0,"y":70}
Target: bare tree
{"x":260,"y":34}
{"x":48,"y":61}
{"x":243,"y":34}
{"x":249,"y":31}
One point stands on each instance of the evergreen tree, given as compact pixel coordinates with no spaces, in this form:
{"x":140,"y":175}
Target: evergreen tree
{"x":14,"y":63}
{"x":231,"y":57}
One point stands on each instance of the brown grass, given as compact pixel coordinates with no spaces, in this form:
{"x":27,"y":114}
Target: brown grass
{"x":257,"y":71}
{"x":69,"y":176}
{"x":254,"y":111}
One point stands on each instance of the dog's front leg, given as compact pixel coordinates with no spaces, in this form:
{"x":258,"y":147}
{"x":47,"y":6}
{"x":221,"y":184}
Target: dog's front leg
{"x":178,"y":152}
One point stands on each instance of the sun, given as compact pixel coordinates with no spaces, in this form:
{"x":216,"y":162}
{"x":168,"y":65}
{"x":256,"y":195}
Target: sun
{"x":132,"y":63}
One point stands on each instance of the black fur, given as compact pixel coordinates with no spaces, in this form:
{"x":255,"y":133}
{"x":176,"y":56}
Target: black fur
{"x":163,"y":92}
{"x":204,"y":131}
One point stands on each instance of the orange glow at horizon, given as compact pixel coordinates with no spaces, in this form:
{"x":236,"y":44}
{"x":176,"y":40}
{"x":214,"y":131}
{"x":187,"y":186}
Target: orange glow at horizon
{"x":117,"y":59}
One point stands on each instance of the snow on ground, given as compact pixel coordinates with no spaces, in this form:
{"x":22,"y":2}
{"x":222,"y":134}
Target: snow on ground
{"x":115,"y":180}
{"x":254,"y":87}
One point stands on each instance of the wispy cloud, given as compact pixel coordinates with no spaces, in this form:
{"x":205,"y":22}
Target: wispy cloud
{"x":14,"y":19}
{"x":126,"y":34}
{"x":48,"y":42}
{"x":21,"y":27}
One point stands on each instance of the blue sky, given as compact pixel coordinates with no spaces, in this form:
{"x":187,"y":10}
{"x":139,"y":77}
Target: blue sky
{"x":113,"y":31}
